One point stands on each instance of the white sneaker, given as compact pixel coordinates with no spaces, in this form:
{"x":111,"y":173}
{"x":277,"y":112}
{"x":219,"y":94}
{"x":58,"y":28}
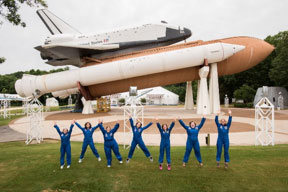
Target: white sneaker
{"x":62,"y":166}
{"x":151,"y":159}
{"x":120,"y":162}
{"x":80,"y":161}
{"x":68,"y":166}
{"x":127,"y":160}
{"x":99,"y":158}
{"x":108,"y":165}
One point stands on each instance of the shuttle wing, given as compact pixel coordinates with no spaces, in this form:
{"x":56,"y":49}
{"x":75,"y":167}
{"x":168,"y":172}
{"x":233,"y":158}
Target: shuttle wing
{"x":67,"y":51}
{"x":89,"y":47}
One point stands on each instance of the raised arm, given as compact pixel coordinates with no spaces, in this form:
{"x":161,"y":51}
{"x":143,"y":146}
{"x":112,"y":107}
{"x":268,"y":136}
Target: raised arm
{"x":115,"y":128}
{"x":94,"y":128}
{"x":131,"y":122}
{"x":183,"y":124}
{"x":159,"y":127}
{"x":148,"y":125}
{"x":171,"y":126}
{"x":79,"y":126}
{"x":57,"y":129}
{"x":101,"y":127}
{"x":217,"y":121}
{"x":229,"y":121}
{"x":202,"y":122}
{"x":71,"y":129}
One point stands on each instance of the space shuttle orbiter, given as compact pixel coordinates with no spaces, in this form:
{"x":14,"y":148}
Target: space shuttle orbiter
{"x":130,"y":63}
{"x":67,"y":46}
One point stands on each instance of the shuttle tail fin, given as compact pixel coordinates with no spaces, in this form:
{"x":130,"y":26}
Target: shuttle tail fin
{"x":54,"y":24}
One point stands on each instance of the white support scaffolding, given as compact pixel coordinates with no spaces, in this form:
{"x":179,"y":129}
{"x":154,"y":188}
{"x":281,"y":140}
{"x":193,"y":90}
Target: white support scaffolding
{"x":25,"y":106}
{"x":137,"y":114}
{"x":136,"y":111}
{"x":264,"y":122}
{"x":226,"y":101}
{"x":70,"y":101}
{"x":280,"y":102}
{"x":4,"y":108}
{"x":35,"y":116}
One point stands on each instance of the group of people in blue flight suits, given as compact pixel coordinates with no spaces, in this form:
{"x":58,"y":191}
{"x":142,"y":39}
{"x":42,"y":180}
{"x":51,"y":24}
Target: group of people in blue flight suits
{"x":110,"y":144}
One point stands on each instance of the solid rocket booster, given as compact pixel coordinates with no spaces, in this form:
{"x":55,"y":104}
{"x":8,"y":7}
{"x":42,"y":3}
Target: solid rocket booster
{"x":127,"y":68}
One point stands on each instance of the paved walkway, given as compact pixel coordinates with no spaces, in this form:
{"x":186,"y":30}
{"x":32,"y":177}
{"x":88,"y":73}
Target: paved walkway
{"x":238,"y":138}
{"x":8,"y":134}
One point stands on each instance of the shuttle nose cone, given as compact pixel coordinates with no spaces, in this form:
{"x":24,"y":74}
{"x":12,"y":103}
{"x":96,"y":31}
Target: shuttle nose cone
{"x":256,"y":50}
{"x":237,"y":48}
{"x":18,"y":88}
{"x":231,"y":49}
{"x":187,"y":32}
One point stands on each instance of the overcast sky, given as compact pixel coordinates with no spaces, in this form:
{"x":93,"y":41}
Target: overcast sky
{"x":208,"y":19}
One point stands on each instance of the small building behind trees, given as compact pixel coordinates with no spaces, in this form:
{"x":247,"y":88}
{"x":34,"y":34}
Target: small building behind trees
{"x":272,"y":93}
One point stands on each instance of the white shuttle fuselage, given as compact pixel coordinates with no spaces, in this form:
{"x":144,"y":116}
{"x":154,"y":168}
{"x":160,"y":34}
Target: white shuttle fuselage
{"x":67,"y":46}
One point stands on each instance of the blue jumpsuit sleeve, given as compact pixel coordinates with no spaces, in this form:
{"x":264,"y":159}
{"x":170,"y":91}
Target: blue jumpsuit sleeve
{"x":159,"y":127}
{"x":229,"y":121}
{"x":94,"y":128}
{"x":131,"y":123}
{"x":80,"y":127}
{"x":149,"y":124}
{"x":101,"y":128}
{"x":171,"y":126}
{"x":115,"y":128}
{"x":183,"y":124}
{"x":217,"y":121}
{"x":71,"y":129}
{"x":57,"y":129}
{"x":201,"y":123}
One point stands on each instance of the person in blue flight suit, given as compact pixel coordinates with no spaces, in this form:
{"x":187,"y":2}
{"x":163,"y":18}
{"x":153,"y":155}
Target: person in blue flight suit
{"x":192,"y":140}
{"x":110,"y":143}
{"x":165,"y":143}
{"x":137,"y":139}
{"x":223,"y":138}
{"x":65,"y":144}
{"x":88,"y":131}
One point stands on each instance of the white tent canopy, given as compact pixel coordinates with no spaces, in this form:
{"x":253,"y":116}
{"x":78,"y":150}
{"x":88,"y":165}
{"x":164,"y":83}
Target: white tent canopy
{"x":158,"y":96}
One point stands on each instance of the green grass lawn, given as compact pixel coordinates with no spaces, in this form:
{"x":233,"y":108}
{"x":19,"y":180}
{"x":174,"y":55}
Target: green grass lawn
{"x":36,"y":168}
{"x":8,"y":120}
{"x":16,"y":113}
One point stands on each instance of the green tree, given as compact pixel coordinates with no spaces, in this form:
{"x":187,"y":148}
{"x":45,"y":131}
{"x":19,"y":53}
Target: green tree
{"x":246,"y":93}
{"x":179,"y":89}
{"x":122,"y":101}
{"x":279,"y":69}
{"x":2,"y":59}
{"x":9,"y":11}
{"x":143,"y":100}
{"x":4,"y":90}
